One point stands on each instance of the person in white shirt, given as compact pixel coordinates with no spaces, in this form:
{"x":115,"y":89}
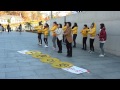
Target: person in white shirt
{"x":59,"y":33}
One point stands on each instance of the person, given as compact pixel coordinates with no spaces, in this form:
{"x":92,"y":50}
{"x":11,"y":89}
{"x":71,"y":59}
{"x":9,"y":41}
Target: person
{"x":102,"y":38}
{"x":46,"y":32}
{"x":74,"y":32}
{"x":5,"y":29}
{"x":54,"y":27}
{"x":16,"y":29}
{"x":59,"y":33}
{"x":92,"y":33}
{"x":1,"y":28}
{"x":84,"y":33}
{"x":8,"y":28}
{"x":64,"y":28}
{"x":68,"y":36}
{"x":20,"y":28}
{"x":40,"y":31}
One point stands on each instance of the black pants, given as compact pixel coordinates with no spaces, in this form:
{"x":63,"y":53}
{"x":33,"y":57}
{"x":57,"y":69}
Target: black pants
{"x":74,"y":39}
{"x":91,"y":44}
{"x":46,"y":41}
{"x":59,"y":43}
{"x":63,"y":38}
{"x":8,"y":30}
{"x":69,"y":48}
{"x":84,"y":43}
{"x":40,"y":37}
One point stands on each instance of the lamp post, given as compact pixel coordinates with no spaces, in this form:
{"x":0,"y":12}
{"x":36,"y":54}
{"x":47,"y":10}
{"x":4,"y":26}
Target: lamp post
{"x":51,"y":14}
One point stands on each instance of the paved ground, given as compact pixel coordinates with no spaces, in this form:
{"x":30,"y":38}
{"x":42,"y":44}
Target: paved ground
{"x":14,"y":65}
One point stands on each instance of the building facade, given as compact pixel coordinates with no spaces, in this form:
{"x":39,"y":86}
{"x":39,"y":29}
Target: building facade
{"x":13,"y":19}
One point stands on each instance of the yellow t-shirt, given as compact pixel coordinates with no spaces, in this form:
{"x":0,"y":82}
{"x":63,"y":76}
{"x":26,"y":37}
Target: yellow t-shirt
{"x":53,"y":29}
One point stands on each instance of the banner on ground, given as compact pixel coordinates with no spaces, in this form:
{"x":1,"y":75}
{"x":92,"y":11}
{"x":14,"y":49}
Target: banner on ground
{"x":56,"y":63}
{"x":75,"y":69}
{"x":22,"y":51}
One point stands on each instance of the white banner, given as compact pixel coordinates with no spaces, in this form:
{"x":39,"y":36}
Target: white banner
{"x":75,"y":69}
{"x":23,"y":51}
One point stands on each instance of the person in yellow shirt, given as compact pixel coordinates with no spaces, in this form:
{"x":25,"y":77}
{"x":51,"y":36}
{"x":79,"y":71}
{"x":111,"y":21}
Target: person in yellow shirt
{"x":84,"y":33}
{"x":40,"y":30}
{"x":46,"y":32}
{"x":64,"y":28}
{"x":74,"y":32}
{"x":92,"y":33}
{"x":54,"y":27}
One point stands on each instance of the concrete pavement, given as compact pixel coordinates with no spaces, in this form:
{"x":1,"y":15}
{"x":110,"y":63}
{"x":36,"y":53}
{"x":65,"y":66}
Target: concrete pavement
{"x":14,"y":65}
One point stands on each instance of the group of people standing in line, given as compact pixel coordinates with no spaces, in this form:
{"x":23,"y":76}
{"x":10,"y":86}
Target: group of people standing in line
{"x":67,"y":35}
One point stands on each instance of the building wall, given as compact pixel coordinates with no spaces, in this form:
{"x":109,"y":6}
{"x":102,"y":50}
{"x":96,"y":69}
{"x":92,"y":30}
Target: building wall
{"x":111,"y":19}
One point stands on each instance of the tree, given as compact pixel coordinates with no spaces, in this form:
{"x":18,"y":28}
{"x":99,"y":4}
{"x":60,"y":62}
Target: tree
{"x":3,"y":13}
{"x":8,"y":20}
{"x":28,"y":24}
{"x":26,"y":15}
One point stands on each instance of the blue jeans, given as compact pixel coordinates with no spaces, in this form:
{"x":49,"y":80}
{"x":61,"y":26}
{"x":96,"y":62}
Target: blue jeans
{"x":102,"y":49}
{"x":54,"y":41}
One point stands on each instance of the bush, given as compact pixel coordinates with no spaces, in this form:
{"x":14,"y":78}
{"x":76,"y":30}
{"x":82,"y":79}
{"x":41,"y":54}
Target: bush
{"x":33,"y":31}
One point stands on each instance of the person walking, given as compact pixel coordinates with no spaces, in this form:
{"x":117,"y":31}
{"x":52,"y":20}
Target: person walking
{"x":20,"y":28}
{"x":46,"y":32}
{"x":92,"y":33}
{"x":84,"y":33}
{"x":102,"y":38}
{"x":74,"y":32}
{"x":68,"y":36}
{"x":59,"y":33}
{"x":1,"y":28}
{"x":8,"y":28}
{"x":54,"y":27}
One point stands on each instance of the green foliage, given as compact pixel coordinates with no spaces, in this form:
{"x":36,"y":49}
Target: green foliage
{"x":8,"y":20}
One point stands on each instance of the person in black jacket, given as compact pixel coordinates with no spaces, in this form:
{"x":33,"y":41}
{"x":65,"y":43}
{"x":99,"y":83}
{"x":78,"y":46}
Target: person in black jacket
{"x":8,"y":28}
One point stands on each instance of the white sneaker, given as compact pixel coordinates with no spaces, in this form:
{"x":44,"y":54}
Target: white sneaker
{"x":89,"y":51}
{"x":101,"y":55}
{"x":46,"y":46}
{"x":40,"y":44}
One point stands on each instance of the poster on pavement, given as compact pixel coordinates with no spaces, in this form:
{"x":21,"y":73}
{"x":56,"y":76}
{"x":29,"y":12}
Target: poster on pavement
{"x":22,"y":51}
{"x":75,"y":70}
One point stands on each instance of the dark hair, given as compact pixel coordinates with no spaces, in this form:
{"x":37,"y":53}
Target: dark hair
{"x":0,"y":24}
{"x":47,"y":26}
{"x":69,"y":23}
{"x":75,"y":25}
{"x":55,"y":23}
{"x":102,"y":25}
{"x":65,"y":23}
{"x":93,"y":23}
{"x":85,"y":25}
{"x":60,"y":25}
